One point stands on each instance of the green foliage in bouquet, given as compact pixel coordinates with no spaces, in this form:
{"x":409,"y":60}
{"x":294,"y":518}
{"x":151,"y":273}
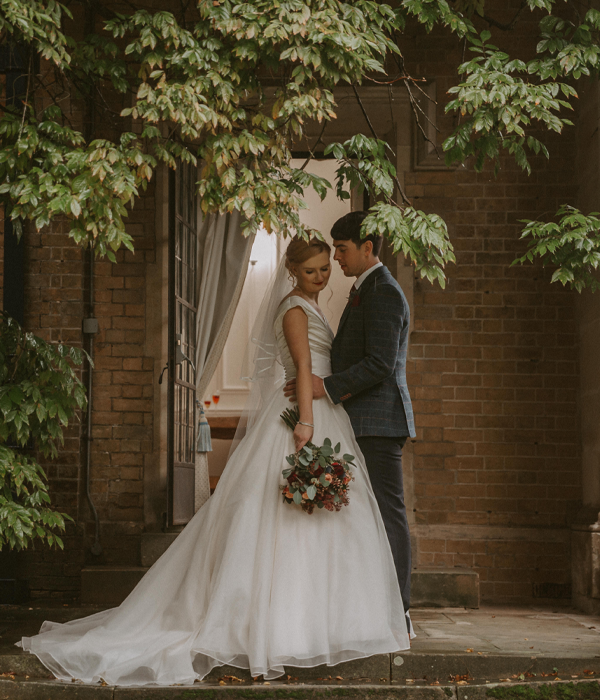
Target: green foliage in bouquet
{"x":317,"y":476}
{"x":39,"y":393}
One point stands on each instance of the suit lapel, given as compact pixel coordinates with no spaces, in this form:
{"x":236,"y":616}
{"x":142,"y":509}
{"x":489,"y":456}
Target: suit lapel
{"x":367,"y":284}
{"x":343,"y":318}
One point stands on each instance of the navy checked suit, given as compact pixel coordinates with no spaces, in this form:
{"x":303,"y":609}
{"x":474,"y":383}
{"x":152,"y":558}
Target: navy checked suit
{"x":368,"y":361}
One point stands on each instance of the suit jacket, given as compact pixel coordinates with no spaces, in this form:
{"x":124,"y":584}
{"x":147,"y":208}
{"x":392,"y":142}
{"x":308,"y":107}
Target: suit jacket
{"x":368,"y":359}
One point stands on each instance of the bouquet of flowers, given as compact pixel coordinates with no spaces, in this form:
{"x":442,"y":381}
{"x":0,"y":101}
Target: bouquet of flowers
{"x":317,"y":476}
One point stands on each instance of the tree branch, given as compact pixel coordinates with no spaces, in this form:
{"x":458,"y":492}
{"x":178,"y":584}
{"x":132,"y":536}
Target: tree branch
{"x":317,"y":142}
{"x":405,"y":199}
{"x":505,"y":27}
{"x":414,"y":105}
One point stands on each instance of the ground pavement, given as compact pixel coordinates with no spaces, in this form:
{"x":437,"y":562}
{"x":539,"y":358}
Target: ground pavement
{"x":500,"y":653}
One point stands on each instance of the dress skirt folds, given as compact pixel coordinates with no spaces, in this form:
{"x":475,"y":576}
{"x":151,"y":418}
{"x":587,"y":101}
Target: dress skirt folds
{"x":251,"y":581}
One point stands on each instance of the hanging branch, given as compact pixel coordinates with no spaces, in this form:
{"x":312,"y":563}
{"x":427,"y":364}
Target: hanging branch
{"x":317,"y":142}
{"x":405,"y":199}
{"x":505,"y":27}
{"x":416,"y":107}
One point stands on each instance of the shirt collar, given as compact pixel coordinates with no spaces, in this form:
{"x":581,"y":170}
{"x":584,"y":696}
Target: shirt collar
{"x":366,"y":273}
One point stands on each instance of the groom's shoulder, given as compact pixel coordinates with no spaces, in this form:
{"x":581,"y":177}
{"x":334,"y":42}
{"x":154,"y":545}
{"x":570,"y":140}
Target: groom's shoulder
{"x":386,"y":284}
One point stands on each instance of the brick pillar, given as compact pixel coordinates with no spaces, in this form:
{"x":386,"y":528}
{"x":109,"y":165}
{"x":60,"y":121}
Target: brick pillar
{"x":586,"y":530}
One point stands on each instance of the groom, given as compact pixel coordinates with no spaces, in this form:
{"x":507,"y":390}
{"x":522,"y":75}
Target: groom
{"x":368,"y":360}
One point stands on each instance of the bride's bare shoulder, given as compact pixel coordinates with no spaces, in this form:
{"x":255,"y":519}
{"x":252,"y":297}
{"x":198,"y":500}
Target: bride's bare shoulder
{"x":293,"y":293}
{"x":282,"y":311}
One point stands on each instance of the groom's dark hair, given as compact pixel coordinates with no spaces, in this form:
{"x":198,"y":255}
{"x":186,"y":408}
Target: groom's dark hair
{"x":348,"y":229}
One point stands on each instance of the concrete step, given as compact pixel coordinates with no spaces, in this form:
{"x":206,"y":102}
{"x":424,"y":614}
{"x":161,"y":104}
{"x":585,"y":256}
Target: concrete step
{"x":439,"y":588}
{"x":109,"y":585}
{"x":154,"y":545}
{"x":444,"y":588}
{"x":21,"y":689}
{"x":386,"y":668}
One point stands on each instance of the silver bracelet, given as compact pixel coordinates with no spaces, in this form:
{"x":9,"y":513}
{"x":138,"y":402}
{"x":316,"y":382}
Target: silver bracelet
{"x":310,"y":425}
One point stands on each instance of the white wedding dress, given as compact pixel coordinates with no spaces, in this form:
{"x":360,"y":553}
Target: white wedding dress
{"x":251,"y":581}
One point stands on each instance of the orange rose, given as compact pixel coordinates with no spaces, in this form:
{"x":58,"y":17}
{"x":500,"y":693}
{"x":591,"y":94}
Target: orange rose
{"x":328,"y":477}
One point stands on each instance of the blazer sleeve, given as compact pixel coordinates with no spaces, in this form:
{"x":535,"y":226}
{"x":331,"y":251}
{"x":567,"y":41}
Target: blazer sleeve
{"x":384,"y":318}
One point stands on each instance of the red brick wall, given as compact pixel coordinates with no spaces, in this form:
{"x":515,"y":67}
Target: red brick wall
{"x":54,"y":307}
{"x":123,"y":394}
{"x":56,"y":303}
{"x":493,"y":370}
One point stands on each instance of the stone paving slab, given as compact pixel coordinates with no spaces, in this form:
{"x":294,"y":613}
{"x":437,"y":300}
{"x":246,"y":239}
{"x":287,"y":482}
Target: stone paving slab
{"x":443,"y":667}
{"x":488,"y":644}
{"x":523,"y":631}
{"x":51,"y":690}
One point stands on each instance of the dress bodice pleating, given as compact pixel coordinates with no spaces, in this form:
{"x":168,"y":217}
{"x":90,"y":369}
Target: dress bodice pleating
{"x":320,"y":337}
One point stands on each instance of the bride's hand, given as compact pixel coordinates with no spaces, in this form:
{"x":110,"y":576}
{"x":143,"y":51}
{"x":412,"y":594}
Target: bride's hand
{"x":302,"y":434}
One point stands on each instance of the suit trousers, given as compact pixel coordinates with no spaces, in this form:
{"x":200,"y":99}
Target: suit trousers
{"x":383,"y":457}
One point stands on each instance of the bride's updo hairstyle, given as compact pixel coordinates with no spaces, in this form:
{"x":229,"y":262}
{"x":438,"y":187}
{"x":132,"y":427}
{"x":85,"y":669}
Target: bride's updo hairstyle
{"x":300,"y":250}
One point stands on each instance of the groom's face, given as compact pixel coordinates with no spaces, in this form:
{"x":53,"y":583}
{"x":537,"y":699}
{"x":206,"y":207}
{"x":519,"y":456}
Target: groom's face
{"x":353,"y":259}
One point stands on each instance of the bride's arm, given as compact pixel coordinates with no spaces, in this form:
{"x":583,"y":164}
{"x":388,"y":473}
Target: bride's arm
{"x":295,"y":329}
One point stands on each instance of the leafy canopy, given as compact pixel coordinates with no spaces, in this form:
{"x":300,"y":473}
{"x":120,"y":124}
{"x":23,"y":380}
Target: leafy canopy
{"x":231,"y":86}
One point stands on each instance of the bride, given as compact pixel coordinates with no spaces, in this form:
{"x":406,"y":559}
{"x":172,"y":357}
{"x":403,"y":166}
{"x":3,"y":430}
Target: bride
{"x":252,"y":581}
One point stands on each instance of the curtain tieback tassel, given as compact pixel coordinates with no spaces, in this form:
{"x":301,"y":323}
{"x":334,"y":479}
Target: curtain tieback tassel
{"x":203,"y":443}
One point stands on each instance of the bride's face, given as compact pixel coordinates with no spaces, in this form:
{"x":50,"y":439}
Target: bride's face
{"x":313,"y":274}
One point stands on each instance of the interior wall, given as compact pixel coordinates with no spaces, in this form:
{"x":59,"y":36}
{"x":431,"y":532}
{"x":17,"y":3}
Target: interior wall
{"x":321,"y":215}
{"x":266,"y":253}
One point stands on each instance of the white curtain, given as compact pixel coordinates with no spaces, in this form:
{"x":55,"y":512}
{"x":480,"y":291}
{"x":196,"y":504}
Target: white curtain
{"x":223,"y":257}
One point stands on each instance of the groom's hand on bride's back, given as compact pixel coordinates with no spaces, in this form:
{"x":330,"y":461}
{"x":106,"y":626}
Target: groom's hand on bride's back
{"x":318,"y":388}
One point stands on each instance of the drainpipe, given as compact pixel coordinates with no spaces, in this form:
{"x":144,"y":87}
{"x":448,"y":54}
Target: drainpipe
{"x":90,"y":328}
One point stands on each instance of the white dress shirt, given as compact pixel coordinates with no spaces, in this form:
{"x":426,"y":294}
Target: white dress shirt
{"x":365,"y":274}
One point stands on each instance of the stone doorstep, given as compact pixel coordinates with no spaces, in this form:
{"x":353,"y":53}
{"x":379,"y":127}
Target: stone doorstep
{"x":109,"y":585}
{"x":444,"y":588}
{"x":55,"y":690}
{"x":421,"y":667}
{"x":441,"y":588}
